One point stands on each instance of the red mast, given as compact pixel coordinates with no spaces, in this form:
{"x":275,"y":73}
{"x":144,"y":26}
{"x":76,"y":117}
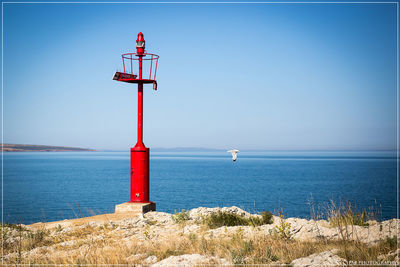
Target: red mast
{"x":140,"y":154}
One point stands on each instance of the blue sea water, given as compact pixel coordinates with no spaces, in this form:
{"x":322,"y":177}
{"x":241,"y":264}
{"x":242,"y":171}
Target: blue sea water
{"x":49,"y":186}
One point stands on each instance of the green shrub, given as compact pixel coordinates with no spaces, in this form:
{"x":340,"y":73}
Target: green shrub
{"x":267,"y":217}
{"x":179,"y":217}
{"x":219,"y":219}
{"x":283,"y":228}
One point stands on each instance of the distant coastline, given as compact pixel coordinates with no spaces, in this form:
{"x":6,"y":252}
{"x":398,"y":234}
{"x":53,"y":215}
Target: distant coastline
{"x":40,"y":148}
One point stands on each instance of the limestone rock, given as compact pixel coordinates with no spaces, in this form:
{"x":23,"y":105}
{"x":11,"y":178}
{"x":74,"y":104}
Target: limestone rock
{"x":189,"y":260}
{"x":150,"y":260}
{"x":159,"y":217}
{"x":198,"y":213}
{"x":327,"y":258}
{"x":303,"y":230}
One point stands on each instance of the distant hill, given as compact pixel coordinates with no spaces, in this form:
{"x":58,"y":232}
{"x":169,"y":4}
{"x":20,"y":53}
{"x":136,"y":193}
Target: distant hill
{"x":26,"y":148}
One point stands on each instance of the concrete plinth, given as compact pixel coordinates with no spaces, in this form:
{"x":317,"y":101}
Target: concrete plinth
{"x":134,"y":207}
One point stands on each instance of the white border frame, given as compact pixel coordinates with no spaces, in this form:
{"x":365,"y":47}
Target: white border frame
{"x":261,"y":2}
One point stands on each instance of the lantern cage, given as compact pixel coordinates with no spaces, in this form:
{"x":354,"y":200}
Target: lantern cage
{"x":130,"y":63}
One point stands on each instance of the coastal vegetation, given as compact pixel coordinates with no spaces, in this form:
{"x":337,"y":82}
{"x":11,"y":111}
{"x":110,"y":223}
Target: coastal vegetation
{"x":220,"y":219}
{"x":180,"y":217}
{"x":346,"y":214}
{"x":219,"y":235}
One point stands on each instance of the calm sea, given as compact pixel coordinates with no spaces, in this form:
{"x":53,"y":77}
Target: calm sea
{"x":48,"y":186}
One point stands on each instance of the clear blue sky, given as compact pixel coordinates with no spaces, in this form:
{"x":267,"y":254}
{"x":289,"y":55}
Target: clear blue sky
{"x":248,"y":76}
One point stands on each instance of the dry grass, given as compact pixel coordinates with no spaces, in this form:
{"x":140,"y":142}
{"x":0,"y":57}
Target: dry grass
{"x":347,"y":214}
{"x":105,"y":245}
{"x":259,"y":249}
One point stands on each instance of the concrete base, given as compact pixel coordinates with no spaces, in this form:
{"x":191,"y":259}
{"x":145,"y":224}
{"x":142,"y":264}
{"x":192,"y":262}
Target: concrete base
{"x":134,"y":207}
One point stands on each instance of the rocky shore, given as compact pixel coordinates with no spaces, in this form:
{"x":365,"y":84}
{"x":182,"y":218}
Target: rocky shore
{"x":163,"y":239}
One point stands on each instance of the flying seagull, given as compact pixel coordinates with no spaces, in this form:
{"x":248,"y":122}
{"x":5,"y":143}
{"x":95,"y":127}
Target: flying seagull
{"x":234,"y":153}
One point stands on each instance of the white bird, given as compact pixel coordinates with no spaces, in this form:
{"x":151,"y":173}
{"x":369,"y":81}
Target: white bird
{"x":234,"y":153}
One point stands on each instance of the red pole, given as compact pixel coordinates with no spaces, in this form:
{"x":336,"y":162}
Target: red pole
{"x":140,"y":107}
{"x":140,"y":155}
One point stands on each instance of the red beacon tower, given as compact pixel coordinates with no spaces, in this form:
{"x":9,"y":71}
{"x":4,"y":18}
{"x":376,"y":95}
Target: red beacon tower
{"x":140,"y":155}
